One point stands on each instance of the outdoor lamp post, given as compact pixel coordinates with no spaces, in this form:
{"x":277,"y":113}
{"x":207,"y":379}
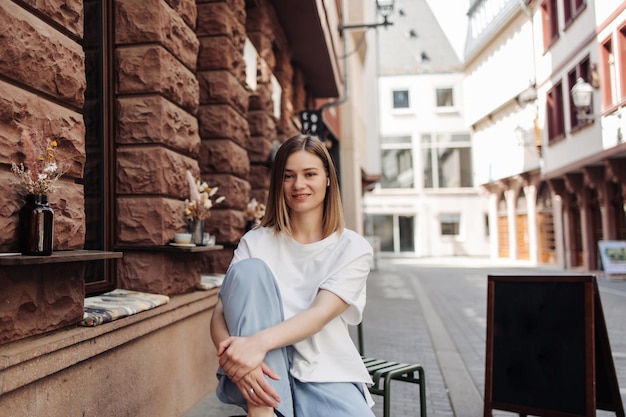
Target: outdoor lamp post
{"x":582,"y":93}
{"x":384,"y":8}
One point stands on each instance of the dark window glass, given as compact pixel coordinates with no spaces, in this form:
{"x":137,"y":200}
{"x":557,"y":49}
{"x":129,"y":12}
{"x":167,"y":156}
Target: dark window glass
{"x":407,"y":242}
{"x":98,"y":48}
{"x":401,"y":99}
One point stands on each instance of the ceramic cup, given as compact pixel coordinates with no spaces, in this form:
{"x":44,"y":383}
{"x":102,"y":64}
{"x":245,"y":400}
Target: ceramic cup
{"x":182,"y":237}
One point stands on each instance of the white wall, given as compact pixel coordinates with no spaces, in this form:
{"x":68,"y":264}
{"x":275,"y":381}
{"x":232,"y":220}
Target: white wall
{"x":425,"y":205}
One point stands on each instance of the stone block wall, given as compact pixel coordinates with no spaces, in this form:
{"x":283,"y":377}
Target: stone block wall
{"x":43,"y":84}
{"x":222,"y":116}
{"x":43,"y":66}
{"x":157,"y":103}
{"x":181,"y":103}
{"x":43,"y":298}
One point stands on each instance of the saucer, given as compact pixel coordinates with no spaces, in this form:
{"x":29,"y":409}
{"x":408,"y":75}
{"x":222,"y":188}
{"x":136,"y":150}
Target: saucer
{"x":183,"y":245}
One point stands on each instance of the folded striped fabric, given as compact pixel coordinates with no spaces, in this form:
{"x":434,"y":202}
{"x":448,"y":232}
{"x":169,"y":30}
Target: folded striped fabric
{"x":117,"y":304}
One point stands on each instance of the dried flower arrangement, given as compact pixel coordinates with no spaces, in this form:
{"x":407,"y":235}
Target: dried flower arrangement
{"x":40,"y":170}
{"x":199,"y":203}
{"x":254,"y":211}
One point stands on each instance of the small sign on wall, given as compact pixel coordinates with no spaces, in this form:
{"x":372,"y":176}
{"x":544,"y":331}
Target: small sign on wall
{"x":312,"y":122}
{"x":613,"y":255}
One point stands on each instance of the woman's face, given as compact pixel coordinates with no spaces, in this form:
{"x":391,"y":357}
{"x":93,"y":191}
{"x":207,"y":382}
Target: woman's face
{"x":304,"y":183}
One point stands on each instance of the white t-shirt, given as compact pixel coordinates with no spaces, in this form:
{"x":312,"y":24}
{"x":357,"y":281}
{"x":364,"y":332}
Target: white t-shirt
{"x":340,"y":264}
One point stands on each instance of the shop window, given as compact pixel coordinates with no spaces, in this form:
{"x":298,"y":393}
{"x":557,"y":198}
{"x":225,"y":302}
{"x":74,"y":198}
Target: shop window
{"x":619,"y":207}
{"x":550,"y":21}
{"x":406,"y":231}
{"x":447,"y":160}
{"x":450,"y":224}
{"x":382,"y":226}
{"x":555,"y":118}
{"x":400,"y":99}
{"x":545,"y":224}
{"x":97,"y":113}
{"x":503,"y":229}
{"x":396,"y":232}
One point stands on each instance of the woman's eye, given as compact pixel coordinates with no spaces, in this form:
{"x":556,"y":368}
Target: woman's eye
{"x":311,"y":174}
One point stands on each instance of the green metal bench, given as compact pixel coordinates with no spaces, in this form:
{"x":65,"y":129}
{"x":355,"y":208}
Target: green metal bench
{"x":384,"y":371}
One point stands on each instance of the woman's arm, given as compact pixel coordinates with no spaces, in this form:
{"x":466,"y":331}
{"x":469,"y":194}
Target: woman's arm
{"x":219,"y":330}
{"x":266,"y":395}
{"x":240,"y":355}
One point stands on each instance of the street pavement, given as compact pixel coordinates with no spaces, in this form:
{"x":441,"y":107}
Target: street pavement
{"x":432,"y":311}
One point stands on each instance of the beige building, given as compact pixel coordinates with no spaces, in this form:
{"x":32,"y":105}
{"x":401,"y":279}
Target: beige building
{"x":137,"y":93}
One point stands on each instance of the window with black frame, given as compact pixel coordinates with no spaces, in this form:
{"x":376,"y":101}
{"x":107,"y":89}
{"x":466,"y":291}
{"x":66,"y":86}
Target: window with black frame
{"x":98,"y":47}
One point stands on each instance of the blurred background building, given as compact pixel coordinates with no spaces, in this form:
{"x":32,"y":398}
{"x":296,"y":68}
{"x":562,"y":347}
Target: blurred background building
{"x":554,"y":166}
{"x":427,"y":201}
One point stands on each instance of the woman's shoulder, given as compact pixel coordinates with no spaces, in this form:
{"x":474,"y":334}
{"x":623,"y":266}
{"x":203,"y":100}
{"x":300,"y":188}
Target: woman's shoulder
{"x":356,"y":240}
{"x":259,"y":234}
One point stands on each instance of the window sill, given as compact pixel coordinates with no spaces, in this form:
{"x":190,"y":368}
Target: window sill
{"x":170,"y":248}
{"x":16,"y":259}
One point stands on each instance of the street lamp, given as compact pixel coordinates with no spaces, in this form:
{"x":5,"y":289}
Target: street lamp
{"x":384,"y":8}
{"x":582,"y":93}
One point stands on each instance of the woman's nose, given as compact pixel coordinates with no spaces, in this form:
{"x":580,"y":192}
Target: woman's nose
{"x":298,"y":181}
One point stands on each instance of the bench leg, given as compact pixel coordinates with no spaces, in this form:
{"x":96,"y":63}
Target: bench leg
{"x":387,"y":399}
{"x":422,"y":384}
{"x":422,"y":388}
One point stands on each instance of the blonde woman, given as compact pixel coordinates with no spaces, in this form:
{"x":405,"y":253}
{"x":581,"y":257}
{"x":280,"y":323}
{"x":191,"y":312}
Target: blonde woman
{"x":294,"y":285}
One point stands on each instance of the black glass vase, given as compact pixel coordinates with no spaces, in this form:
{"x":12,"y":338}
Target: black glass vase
{"x":196,"y":228}
{"x":36,"y":226}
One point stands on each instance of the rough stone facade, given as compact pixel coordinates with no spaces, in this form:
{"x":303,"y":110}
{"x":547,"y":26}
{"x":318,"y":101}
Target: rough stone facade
{"x":181,"y":103}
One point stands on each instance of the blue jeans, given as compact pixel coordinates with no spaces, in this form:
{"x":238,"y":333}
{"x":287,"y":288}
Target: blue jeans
{"x":252,"y":302}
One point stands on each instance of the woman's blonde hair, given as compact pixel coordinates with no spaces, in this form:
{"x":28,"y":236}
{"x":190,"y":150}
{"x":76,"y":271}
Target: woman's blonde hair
{"x":277,"y":211}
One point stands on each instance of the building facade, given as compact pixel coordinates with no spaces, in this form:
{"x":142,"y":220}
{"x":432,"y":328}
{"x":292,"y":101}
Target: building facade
{"x":555,"y":173}
{"x":426,"y":202}
{"x":136,"y":93}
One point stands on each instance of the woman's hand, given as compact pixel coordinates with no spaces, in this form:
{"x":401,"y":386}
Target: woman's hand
{"x":239,"y":355}
{"x":255,"y":388}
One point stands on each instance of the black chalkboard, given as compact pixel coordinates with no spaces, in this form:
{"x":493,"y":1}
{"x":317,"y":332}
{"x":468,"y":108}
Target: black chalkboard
{"x":548,"y":352}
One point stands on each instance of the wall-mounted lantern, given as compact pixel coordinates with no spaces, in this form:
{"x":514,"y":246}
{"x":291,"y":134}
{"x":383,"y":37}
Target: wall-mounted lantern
{"x":384,"y":8}
{"x":582,"y":95}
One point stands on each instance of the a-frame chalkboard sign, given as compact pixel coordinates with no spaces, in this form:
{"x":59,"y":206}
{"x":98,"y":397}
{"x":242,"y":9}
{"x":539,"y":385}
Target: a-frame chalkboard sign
{"x":548,"y":351}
